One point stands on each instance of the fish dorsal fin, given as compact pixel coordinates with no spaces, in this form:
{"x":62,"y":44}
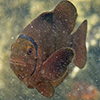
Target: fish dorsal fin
{"x":65,"y":14}
{"x":63,"y":18}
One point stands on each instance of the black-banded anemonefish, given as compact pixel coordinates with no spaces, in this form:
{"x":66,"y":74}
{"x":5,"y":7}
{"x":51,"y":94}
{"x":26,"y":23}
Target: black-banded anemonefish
{"x":41,"y":55}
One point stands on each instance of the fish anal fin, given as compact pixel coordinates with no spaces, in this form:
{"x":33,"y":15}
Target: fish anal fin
{"x":79,"y":45}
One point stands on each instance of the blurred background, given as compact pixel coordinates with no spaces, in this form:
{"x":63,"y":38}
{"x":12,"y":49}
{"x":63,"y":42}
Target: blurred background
{"x":80,"y":84}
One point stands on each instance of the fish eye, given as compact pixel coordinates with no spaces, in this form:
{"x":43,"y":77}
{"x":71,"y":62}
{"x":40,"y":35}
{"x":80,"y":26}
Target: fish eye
{"x":29,"y":51}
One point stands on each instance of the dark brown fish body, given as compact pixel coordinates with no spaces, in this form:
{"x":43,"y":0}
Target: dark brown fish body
{"x":43,"y":51}
{"x":51,"y":25}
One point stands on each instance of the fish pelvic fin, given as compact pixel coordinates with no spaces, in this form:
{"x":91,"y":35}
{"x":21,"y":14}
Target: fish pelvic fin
{"x":79,"y":45}
{"x":45,"y":88}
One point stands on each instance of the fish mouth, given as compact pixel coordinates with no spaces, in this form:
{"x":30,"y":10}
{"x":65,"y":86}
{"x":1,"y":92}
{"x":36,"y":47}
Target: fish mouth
{"x":17,"y":62}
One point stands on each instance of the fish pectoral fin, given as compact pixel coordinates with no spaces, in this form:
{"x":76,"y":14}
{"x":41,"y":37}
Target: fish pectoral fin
{"x":56,"y":65}
{"x":45,"y":88}
{"x":79,"y":45}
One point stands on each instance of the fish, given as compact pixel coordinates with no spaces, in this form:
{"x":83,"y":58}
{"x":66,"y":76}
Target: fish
{"x":41,"y":55}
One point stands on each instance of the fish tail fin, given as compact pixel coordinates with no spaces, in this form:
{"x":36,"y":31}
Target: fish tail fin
{"x":79,"y":45}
